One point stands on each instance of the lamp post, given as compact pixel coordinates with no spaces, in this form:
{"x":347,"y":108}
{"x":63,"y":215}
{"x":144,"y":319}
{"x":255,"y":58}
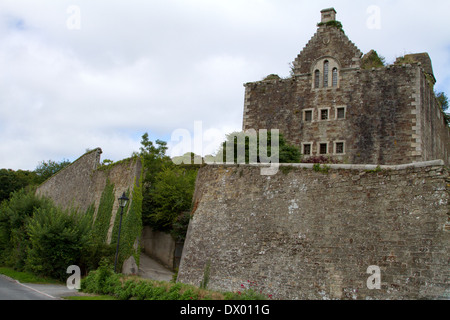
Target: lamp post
{"x":122,"y":203}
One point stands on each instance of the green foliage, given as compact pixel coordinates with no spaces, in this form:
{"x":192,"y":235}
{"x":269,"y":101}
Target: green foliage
{"x":272,"y":77}
{"x":372,"y":60}
{"x":57,"y":240}
{"x":46,"y":169}
{"x":332,"y":23}
{"x":131,"y":226}
{"x":443,"y":103}
{"x":287,"y":153}
{"x":101,"y":281}
{"x":321,"y":168}
{"x":248,"y":291}
{"x":104,"y":281}
{"x":11,"y":181}
{"x":180,"y":226}
{"x":443,"y":100}
{"x":171,"y":195}
{"x":376,"y":170}
{"x":103,"y":217}
{"x":26,"y":277}
{"x":15,"y":214}
{"x":153,"y":157}
{"x":206,"y":272}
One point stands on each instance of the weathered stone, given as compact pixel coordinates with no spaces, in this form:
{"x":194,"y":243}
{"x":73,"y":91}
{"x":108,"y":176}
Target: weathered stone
{"x":130,"y":267}
{"x":390,"y":114}
{"x":309,"y":235}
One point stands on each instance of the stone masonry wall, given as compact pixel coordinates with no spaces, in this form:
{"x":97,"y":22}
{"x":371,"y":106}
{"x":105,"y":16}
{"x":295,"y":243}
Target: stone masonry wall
{"x":303,"y":234}
{"x":391,"y":116}
{"x":81,"y":184}
{"x":72,"y":186}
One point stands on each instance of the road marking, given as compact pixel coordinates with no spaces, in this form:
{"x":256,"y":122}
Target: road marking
{"x":45,"y":294}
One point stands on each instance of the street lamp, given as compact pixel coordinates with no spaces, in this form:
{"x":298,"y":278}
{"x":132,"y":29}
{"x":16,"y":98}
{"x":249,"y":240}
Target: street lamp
{"x":122,"y":203}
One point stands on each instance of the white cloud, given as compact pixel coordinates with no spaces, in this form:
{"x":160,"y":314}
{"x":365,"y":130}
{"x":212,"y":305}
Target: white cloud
{"x":157,"y":66}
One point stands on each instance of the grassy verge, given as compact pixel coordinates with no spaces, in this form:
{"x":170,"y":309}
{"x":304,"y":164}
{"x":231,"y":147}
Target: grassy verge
{"x":104,"y":281}
{"x":26,"y":277}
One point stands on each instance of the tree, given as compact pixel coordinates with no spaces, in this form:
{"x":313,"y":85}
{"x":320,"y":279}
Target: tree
{"x":46,"y":169}
{"x":11,"y":181}
{"x":171,"y":195}
{"x":443,"y":102}
{"x":287,"y":153}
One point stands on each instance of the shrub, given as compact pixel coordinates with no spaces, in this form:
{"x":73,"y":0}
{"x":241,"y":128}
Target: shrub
{"x":57,"y":239}
{"x":14,"y":216}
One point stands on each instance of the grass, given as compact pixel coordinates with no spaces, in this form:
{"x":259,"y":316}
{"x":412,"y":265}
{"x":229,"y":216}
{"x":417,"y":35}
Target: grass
{"x":26,"y":277}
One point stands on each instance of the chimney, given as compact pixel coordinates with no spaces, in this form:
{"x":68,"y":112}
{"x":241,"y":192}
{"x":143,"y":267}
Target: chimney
{"x":328,"y":15}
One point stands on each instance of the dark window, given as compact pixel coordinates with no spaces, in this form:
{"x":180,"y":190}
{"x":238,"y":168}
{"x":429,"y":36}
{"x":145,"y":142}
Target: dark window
{"x":335,"y":77}
{"x":325,"y":74}
{"x":306,"y":149}
{"x":323,"y":148}
{"x":308,"y":115}
{"x":340,"y":148}
{"x":324,"y":114}
{"x":316,"y":79}
{"x":341,"y":113}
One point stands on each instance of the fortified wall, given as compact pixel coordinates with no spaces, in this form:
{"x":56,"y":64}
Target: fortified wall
{"x":312,"y":233}
{"x":82,"y":185}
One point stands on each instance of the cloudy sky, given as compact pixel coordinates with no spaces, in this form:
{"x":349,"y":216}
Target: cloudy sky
{"x":81,"y":74}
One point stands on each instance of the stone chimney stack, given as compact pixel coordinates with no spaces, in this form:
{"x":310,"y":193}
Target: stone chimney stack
{"x":328,"y":15}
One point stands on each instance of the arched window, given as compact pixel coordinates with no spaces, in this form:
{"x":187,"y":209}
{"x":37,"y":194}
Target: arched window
{"x":335,"y":77}
{"x":325,"y":73}
{"x":316,"y":79}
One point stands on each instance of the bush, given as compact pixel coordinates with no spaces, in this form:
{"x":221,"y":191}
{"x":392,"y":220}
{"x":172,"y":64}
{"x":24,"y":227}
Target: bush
{"x":14,"y":216}
{"x":57,"y":240}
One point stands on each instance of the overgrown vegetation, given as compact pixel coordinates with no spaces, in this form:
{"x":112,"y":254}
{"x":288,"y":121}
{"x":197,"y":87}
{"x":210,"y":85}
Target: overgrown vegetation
{"x":38,"y":237}
{"x":332,"y":23}
{"x":167,"y":189}
{"x":272,"y":77}
{"x":372,"y":60}
{"x":11,"y":180}
{"x":443,"y":103}
{"x":105,"y":282}
{"x":245,"y":152}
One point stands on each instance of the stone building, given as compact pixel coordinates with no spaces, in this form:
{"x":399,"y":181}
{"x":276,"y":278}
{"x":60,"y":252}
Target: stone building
{"x":341,"y":104}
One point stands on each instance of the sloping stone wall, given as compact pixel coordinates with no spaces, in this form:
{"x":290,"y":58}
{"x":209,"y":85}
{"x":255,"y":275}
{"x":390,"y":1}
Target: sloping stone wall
{"x":304,"y":234}
{"x":81,"y":184}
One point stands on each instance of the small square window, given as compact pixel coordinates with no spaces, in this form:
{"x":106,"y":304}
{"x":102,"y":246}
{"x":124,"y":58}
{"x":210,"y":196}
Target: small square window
{"x":339,"y":148}
{"x":308,"y":115}
{"x":307,"y":149}
{"x":323,"y":148}
{"x":341,"y":113}
{"x":324,"y":114}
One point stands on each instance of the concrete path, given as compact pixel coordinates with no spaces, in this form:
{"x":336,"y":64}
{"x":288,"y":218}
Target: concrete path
{"x":151,"y":269}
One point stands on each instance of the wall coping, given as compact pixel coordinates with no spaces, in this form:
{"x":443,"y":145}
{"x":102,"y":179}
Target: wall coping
{"x":423,"y":164}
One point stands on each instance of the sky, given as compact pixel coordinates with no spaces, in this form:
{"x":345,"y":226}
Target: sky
{"x":81,"y":74}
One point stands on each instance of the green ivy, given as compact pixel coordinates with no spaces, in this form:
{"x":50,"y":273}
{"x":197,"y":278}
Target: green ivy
{"x":103,"y":217}
{"x":131,"y":225}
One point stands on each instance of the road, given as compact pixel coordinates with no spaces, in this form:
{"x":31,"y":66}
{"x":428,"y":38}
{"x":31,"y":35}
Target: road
{"x":12,"y":290}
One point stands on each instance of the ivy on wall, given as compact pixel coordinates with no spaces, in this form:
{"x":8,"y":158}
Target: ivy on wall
{"x":131,"y":220}
{"x":103,"y":217}
{"x":131,"y":225}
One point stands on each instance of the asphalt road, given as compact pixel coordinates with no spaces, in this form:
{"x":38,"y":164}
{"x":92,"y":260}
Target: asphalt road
{"x":12,"y":290}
